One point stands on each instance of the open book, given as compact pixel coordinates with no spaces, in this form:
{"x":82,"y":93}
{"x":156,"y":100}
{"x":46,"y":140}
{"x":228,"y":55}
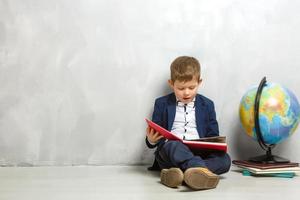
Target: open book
{"x":211,"y":143}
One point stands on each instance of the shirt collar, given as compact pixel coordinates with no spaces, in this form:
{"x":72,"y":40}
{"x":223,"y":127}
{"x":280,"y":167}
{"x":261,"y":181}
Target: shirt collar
{"x":191,"y":104}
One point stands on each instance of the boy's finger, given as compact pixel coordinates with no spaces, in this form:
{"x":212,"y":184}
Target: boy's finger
{"x":151,"y":131}
{"x":159,"y":137}
{"x":157,"y":134}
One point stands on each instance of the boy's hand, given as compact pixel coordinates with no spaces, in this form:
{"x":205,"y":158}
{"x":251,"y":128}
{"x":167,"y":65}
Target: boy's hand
{"x":153,"y":136}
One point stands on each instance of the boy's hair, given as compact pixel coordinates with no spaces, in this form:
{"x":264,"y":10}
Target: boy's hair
{"x":185,"y":68}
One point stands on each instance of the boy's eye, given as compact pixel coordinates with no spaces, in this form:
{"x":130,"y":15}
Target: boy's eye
{"x":191,"y":88}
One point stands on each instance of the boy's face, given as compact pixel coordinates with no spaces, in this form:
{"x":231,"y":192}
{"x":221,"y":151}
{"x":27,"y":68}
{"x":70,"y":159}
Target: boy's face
{"x":185,"y":91}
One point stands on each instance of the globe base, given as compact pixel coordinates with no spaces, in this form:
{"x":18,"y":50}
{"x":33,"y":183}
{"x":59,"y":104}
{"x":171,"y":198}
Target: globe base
{"x":269,"y":159}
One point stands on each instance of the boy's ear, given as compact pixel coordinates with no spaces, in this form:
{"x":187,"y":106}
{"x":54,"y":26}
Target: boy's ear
{"x":200,"y":81}
{"x":170,"y":82}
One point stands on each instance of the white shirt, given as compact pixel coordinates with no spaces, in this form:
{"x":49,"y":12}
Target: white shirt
{"x":184,"y":125}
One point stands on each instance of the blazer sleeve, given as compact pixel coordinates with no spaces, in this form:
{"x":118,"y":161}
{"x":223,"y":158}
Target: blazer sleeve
{"x":212,"y":128}
{"x":157,"y":117}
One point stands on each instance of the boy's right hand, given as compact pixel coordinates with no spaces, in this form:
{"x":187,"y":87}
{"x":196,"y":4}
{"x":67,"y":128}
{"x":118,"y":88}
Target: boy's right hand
{"x":153,"y":136}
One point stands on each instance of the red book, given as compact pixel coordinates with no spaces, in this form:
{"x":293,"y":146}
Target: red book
{"x":210,"y":143}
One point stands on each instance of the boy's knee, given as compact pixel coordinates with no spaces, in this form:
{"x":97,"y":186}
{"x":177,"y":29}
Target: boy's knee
{"x":227,"y":163}
{"x":221,"y":165}
{"x":172,"y":144}
{"x":174,"y":149}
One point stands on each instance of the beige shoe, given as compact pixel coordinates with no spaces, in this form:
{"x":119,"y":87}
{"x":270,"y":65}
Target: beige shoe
{"x":172,"y":177}
{"x":200,"y":178}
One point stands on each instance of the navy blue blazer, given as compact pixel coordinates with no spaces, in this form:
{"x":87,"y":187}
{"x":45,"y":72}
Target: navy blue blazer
{"x":165,"y":110}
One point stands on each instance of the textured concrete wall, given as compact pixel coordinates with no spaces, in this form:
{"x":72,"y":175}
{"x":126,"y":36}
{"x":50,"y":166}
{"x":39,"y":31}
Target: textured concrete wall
{"x":77,"y":78}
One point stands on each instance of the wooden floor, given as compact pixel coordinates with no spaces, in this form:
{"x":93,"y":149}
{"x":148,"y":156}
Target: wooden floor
{"x":131,"y":182}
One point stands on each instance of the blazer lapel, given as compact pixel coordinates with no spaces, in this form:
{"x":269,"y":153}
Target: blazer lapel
{"x":171,"y":110}
{"x":200,"y":110}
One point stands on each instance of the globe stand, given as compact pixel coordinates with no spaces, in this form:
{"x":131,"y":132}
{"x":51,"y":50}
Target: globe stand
{"x":268,"y":157}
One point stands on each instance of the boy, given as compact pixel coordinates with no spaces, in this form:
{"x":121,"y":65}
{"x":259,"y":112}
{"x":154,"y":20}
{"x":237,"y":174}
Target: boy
{"x":190,"y":116}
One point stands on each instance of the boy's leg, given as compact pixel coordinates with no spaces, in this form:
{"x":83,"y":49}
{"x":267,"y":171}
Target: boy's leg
{"x":172,"y":157}
{"x":218,"y":162}
{"x":206,"y":178}
{"x":196,"y":174}
{"x":176,"y":154}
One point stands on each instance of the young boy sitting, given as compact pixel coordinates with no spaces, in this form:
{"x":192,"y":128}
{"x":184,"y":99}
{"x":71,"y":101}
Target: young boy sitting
{"x":190,"y":116}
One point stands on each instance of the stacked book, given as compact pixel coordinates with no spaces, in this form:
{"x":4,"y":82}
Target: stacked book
{"x":287,"y":170}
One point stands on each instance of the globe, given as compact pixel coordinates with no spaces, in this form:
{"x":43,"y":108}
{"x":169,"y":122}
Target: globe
{"x":278,"y":113}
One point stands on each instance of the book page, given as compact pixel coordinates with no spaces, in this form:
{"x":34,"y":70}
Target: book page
{"x":220,"y":139}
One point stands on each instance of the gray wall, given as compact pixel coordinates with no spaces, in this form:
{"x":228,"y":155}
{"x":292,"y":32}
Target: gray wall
{"x":77,"y":78}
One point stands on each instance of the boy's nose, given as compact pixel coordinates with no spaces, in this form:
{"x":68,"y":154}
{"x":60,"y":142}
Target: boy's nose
{"x":186,"y":92}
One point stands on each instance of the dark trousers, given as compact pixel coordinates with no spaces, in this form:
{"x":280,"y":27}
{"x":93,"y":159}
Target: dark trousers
{"x":176,"y":154}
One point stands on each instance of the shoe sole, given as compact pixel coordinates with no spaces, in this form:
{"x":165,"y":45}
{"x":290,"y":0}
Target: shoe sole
{"x":172,"y":177}
{"x":199,"y":180}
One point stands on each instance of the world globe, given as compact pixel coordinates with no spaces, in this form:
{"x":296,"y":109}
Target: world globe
{"x":278,"y":113}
